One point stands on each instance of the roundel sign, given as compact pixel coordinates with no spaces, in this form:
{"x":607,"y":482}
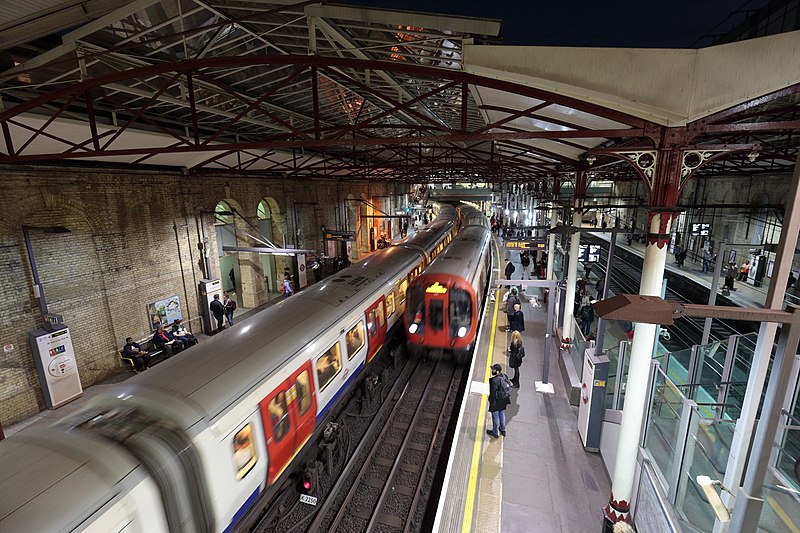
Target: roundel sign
{"x":302,"y":267}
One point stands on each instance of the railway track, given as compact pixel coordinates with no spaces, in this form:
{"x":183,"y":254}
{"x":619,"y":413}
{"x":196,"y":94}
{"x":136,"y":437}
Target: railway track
{"x":385,"y":486}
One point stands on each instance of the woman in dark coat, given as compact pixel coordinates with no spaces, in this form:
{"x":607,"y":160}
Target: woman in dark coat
{"x":515,"y":355}
{"x":516,"y":320}
{"x":497,"y":405}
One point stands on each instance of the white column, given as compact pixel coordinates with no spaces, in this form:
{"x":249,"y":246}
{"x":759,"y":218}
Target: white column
{"x":766,"y":338}
{"x":551,"y":245}
{"x":636,"y":392}
{"x":572,"y":282}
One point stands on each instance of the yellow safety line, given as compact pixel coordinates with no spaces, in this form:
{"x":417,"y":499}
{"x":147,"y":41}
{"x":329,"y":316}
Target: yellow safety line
{"x":782,"y":515}
{"x":466,"y":523}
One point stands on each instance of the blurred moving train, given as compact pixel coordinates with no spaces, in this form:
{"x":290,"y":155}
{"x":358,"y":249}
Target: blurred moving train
{"x":197,"y":441}
{"x":444,"y":302}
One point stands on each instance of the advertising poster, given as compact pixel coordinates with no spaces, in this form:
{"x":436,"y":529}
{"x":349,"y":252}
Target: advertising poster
{"x":164,"y":312}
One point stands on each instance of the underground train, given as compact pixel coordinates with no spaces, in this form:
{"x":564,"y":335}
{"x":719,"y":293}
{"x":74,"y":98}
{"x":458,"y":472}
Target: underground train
{"x":194,"y":443}
{"x":445,"y":301}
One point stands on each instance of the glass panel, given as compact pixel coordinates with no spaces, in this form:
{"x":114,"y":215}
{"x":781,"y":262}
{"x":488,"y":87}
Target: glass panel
{"x":577,"y":351}
{"x":371,"y":321}
{"x":381,"y":315}
{"x":459,"y":312}
{"x":355,"y":339}
{"x":781,"y":511}
{"x":279,"y":415}
{"x":401,"y":293}
{"x":663,"y":425}
{"x":244,"y":451}
{"x":303,"y":390}
{"x":436,"y":310}
{"x":677,"y":369}
{"x":611,"y":384}
{"x":328,"y":365}
{"x":623,"y":382}
{"x":707,"y":455}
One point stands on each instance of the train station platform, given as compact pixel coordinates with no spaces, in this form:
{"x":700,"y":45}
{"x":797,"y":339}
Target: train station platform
{"x":538,"y":477}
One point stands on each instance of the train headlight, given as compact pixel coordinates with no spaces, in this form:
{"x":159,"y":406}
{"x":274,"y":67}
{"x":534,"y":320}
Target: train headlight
{"x":413,"y":328}
{"x":462,"y":331}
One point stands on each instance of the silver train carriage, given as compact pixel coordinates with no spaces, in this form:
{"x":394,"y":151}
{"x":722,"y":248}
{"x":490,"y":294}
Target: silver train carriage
{"x":194,"y":443}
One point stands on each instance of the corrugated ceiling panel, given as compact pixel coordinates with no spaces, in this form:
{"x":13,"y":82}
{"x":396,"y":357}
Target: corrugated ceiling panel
{"x":29,"y":8}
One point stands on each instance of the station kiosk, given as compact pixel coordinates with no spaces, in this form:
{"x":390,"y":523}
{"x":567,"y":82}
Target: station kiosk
{"x":591,"y":407}
{"x":56,"y":364}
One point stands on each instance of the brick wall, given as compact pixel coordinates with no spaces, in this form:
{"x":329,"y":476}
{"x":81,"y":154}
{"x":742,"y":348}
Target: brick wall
{"x":134,"y":239}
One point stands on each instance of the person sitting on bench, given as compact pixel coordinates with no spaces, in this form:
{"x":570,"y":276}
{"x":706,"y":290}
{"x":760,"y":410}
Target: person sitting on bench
{"x":180,"y":332}
{"x":164,"y":340}
{"x":134,"y":352}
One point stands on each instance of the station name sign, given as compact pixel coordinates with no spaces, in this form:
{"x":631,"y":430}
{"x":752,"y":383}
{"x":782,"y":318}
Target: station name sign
{"x":525,"y":245}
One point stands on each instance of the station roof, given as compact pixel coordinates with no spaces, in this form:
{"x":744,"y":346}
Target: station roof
{"x":312,"y":89}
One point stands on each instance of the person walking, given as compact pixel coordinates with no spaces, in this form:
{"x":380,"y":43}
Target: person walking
{"x":515,"y":354}
{"x":218,"y":310}
{"x":525,"y":261}
{"x":510,"y":268}
{"x":230,"y":307}
{"x":587,"y":317}
{"x":286,"y":286}
{"x":499,"y":398}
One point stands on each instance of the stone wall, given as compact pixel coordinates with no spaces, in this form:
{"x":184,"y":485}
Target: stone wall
{"x":135,"y":238}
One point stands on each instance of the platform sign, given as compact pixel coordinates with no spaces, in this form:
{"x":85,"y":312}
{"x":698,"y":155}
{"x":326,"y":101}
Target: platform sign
{"x":525,"y":245}
{"x":337,"y":235}
{"x":701,"y":229}
{"x":589,"y":253}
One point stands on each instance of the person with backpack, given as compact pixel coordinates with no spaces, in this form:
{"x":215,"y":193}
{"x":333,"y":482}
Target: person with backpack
{"x":587,"y":317}
{"x":230,"y":307}
{"x":499,"y":398}
{"x":510,"y":268}
{"x":515,"y":354}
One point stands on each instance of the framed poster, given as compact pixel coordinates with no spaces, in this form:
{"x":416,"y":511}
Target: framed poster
{"x":164,"y":312}
{"x":770,"y":266}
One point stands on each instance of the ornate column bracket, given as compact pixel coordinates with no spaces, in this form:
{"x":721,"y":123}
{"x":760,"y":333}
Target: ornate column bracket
{"x":665,"y":221}
{"x":644,"y":161}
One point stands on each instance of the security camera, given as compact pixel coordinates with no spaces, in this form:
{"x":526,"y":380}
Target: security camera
{"x":591,"y":159}
{"x":752,"y":156}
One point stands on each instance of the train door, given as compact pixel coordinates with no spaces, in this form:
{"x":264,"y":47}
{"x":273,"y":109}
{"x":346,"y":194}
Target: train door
{"x":435,"y":302}
{"x":376,"y":327}
{"x":302,"y":404}
{"x":278,"y":429}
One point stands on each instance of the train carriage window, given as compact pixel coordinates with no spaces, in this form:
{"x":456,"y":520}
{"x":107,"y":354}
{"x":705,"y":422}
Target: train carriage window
{"x":329,"y":365}
{"x":355,"y":339}
{"x":459,"y":313}
{"x":401,"y":291}
{"x":303,"y":389}
{"x":390,"y":303}
{"x":372,"y":328}
{"x":436,"y":310}
{"x":381,"y":315}
{"x":244,"y":451}
{"x":279,"y":415}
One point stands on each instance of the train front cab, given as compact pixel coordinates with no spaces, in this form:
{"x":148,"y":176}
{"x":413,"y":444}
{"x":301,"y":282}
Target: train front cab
{"x":441,"y":314}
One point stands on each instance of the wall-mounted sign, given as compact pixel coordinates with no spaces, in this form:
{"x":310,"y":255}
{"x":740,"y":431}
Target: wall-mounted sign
{"x":336,"y":235}
{"x":164,"y":312}
{"x":52,"y":318}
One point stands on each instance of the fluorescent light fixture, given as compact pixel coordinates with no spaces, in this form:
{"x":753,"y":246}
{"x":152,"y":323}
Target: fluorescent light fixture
{"x":462,"y":331}
{"x":707,"y":484}
{"x":413,"y":328}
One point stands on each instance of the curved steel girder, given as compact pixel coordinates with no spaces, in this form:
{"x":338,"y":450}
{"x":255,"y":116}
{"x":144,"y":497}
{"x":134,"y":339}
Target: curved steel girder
{"x":186,"y":66}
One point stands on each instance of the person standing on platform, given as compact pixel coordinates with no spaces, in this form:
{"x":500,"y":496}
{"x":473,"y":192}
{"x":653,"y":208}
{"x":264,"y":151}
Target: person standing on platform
{"x":744,"y":271}
{"x":706,"y":261}
{"x":587,"y":270}
{"x":525,"y":261}
{"x":499,"y":398}
{"x":516,"y":319}
{"x":510,"y":268}
{"x":587,"y":317}
{"x":286,"y":287}
{"x":791,"y":281}
{"x":515,"y":354}
{"x":218,"y":310}
{"x":230,"y":307}
{"x":510,"y":299}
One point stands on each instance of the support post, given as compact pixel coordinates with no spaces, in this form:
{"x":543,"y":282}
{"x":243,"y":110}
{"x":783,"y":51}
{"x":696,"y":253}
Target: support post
{"x":572,"y":274}
{"x":551,"y":247}
{"x":655,"y":257}
{"x":712,"y":295}
{"x":766,"y":334}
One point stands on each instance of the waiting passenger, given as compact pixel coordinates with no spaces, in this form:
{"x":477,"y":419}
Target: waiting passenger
{"x":516,"y":320}
{"x":164,"y":340}
{"x":218,"y":310}
{"x":183,"y":334}
{"x":140,"y":357}
{"x":286,"y":286}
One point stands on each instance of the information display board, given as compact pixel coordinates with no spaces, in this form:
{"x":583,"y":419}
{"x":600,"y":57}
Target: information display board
{"x":589,"y":253}
{"x":701,"y":229}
